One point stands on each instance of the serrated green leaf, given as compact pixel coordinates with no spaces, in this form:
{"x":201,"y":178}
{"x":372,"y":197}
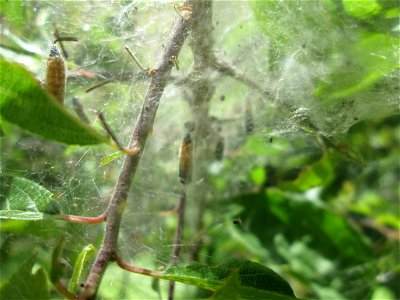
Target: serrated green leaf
{"x":26,"y":195}
{"x":80,"y":263}
{"x":250,"y":274}
{"x":24,"y":103}
{"x":109,"y":158}
{"x":25,"y":285}
{"x":25,"y":215}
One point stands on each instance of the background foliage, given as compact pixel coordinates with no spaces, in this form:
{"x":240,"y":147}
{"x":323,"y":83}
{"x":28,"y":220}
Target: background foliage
{"x":310,"y":189}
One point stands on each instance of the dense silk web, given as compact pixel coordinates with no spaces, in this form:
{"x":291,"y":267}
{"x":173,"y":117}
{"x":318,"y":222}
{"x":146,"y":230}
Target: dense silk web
{"x":282,"y":109}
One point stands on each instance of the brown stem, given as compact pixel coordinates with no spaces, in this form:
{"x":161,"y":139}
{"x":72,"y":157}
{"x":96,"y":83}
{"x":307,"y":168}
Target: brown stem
{"x":199,"y":81}
{"x":64,"y":291}
{"x":107,"y":128}
{"x":226,"y":69}
{"x":178,"y":239}
{"x":104,"y":82}
{"x":140,"y":133}
{"x":81,"y":219}
{"x":134,"y":269}
{"x":78,"y":108}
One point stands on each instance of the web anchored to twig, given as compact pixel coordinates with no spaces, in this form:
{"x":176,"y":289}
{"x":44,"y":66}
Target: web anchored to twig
{"x":139,"y":136}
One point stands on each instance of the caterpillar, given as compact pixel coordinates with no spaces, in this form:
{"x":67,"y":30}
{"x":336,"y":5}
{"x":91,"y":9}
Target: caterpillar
{"x":55,"y":74}
{"x":186,"y":159}
{"x":219,"y":148}
{"x":248,"y":118}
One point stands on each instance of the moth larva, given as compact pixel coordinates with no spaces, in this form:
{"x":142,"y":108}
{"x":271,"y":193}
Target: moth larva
{"x":186,"y":159}
{"x":219,"y":148}
{"x":55,"y":74}
{"x":248,"y":118}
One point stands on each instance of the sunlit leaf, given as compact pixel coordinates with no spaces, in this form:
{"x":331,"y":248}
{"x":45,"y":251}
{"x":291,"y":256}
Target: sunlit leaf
{"x":320,"y":173}
{"x":26,"y":285}
{"x":80,"y":264}
{"x":382,"y":292}
{"x":361,"y":9}
{"x":13,"y":12}
{"x":24,"y":103}
{"x":111,"y":157}
{"x":258,"y":175}
{"x":359,"y":65}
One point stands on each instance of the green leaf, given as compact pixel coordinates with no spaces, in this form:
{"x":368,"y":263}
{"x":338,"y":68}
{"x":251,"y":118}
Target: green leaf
{"x":27,"y":200}
{"x":330,"y":233}
{"x":80,"y":263}
{"x":109,"y":158}
{"x":258,"y":175}
{"x":14,"y":12}
{"x":24,"y":103}
{"x":250,"y":274}
{"x":57,"y":267}
{"x":233,"y":290}
{"x":361,"y":9}
{"x":25,"y":285}
{"x":26,"y":195}
{"x":382,"y":292}
{"x":25,"y":215}
{"x":359,"y":65}
{"x":320,"y":173}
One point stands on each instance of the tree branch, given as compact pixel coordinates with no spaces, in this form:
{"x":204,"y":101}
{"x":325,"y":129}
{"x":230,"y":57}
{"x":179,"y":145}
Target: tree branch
{"x":139,"y":136}
{"x":177,"y":239}
{"x":226,"y":69}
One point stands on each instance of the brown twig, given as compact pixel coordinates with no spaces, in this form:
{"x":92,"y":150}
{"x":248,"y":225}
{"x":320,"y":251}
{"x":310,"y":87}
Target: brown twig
{"x":78,"y":108}
{"x":60,"y":39}
{"x":85,"y":220}
{"x":99,"y":85}
{"x":64,"y":291}
{"x":178,"y":239}
{"x":202,"y":89}
{"x":140,"y":133}
{"x":135,"y":59}
{"x":226,"y":69}
{"x":131,"y":151}
{"x":134,"y":269}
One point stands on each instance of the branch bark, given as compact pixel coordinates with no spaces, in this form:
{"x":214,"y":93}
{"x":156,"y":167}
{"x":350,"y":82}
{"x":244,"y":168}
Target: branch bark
{"x":139,"y":136}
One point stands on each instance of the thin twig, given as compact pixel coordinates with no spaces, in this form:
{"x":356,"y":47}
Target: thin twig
{"x":132,"y":151}
{"x":178,"y":239}
{"x":135,"y":59}
{"x":78,"y":108}
{"x":60,"y":39}
{"x":134,"y":269}
{"x":65,"y":39}
{"x":226,"y":69}
{"x":139,"y":137}
{"x":85,"y":220}
{"x":99,"y":85}
{"x":64,"y":291}
{"x":202,"y":87}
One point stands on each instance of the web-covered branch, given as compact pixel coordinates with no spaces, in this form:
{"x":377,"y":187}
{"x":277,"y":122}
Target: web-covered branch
{"x":139,"y":136}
